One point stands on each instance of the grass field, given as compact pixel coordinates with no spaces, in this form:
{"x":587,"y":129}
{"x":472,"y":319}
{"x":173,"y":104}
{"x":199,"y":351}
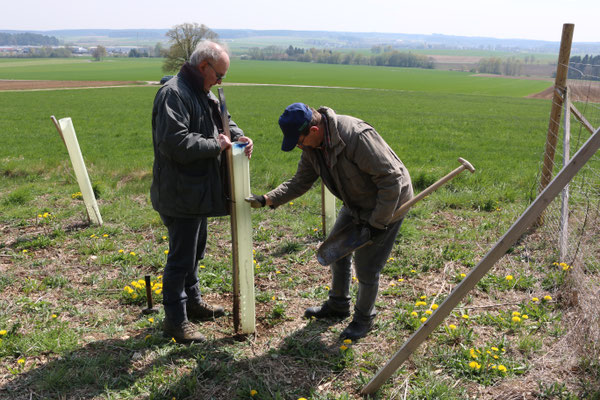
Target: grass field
{"x":68,"y":329}
{"x":289,"y":73}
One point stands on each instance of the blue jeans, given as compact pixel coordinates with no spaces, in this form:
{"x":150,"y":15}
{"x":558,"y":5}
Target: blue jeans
{"x":187,"y":244}
{"x":368,"y":263}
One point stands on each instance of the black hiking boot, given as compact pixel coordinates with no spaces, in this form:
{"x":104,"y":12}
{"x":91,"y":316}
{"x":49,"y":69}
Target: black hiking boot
{"x":203,"y":311}
{"x":185,"y":332}
{"x":325,"y":311}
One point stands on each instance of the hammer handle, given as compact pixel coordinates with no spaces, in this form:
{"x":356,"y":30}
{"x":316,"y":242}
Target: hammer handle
{"x":404,"y":208}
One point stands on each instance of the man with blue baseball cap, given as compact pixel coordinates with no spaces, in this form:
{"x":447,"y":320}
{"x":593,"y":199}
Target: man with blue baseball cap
{"x":359,"y":168}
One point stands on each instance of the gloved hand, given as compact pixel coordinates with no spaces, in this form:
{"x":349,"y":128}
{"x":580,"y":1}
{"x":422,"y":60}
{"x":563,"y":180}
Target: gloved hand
{"x":256,"y":201}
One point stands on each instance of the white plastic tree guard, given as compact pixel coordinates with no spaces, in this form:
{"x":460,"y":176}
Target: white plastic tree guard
{"x":243,"y":235}
{"x":67,"y":132}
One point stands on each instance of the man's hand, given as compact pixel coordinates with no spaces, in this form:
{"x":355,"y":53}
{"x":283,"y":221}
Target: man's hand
{"x":224,"y":142}
{"x":256,"y":201}
{"x":249,"y":146}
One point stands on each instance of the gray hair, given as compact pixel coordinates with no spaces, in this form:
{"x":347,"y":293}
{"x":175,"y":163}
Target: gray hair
{"x":207,"y":50}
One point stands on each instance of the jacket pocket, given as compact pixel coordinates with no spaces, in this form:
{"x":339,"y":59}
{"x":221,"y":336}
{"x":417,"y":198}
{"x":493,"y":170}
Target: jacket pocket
{"x":200,"y":195}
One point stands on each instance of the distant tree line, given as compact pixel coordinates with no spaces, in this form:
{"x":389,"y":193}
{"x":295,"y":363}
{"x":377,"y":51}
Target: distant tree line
{"x":511,"y":66}
{"x":388,"y":58}
{"x":587,"y":67}
{"x":27,"y":39}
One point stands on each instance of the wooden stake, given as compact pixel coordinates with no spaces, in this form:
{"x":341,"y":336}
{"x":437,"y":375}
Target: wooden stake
{"x":500,"y":248}
{"x":560,"y":84}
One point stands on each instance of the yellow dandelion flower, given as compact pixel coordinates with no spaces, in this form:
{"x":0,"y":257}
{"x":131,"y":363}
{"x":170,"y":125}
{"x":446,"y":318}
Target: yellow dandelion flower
{"x":434,"y":306}
{"x":400,"y":280}
{"x":420,"y":303}
{"x":413,"y":271}
{"x":501,"y":368}
{"x":277,"y":272}
{"x":132,"y":253}
{"x":525,"y":316}
{"x":39,"y":215}
{"x":391,"y":259}
{"x":474,"y":365}
{"x":428,"y":312}
{"x":151,"y":320}
{"x":173,"y":340}
{"x":423,"y":297}
{"x":493,"y":366}
{"x":166,"y":251}
{"x":414,"y":314}
{"x":452,"y":327}
{"x":547,"y":298}
{"x":254,"y":261}
{"x":158,"y":291}
{"x":289,"y":279}
{"x":291,"y":203}
{"x":3,"y":332}
{"x":347,"y":341}
{"x":326,"y":287}
{"x":164,"y":237}
{"x":21,"y":361}
{"x":509,"y":277}
{"x":273,"y":298}
{"x":495,"y":348}
{"x":253,"y":393}
{"x":121,"y":251}
{"x":495,"y":357}
{"x":343,"y":347}
{"x":535,"y":299}
{"x":105,"y":235}
{"x":465,"y":316}
{"x":516,"y":319}
{"x":202,"y":267}
{"x":516,"y":314}
{"x":315,"y":229}
{"x":54,"y":316}
{"x":462,"y":275}
{"x":423,"y":319}
{"x":301,"y":398}
{"x":24,"y":251}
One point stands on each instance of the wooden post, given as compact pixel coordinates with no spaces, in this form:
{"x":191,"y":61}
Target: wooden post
{"x":328,"y":211}
{"x":560,"y":83}
{"x":500,"y":248}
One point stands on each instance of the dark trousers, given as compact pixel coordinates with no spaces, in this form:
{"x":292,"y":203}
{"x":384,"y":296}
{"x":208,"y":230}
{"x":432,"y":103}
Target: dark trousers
{"x":187,"y":243}
{"x":368,"y":263}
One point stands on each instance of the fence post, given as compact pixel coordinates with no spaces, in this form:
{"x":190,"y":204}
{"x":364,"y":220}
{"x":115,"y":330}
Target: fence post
{"x":560,"y":83}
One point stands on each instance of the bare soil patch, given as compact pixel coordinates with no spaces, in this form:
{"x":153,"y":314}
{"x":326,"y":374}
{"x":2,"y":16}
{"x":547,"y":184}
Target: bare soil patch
{"x":579,"y":91}
{"x":41,"y":85}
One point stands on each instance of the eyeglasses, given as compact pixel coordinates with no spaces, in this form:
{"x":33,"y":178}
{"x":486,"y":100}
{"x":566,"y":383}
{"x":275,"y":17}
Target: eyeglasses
{"x":219,"y":76}
{"x":301,"y":139}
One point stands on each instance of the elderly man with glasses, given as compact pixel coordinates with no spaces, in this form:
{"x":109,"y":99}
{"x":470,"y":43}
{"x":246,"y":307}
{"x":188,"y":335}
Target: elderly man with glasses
{"x":358,"y":167}
{"x":188,"y":182}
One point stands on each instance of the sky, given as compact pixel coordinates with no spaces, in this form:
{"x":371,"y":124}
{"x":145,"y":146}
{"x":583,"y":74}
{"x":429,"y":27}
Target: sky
{"x":508,"y":19}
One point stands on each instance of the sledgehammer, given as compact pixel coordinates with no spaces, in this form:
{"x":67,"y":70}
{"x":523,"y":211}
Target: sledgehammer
{"x":351,"y":238}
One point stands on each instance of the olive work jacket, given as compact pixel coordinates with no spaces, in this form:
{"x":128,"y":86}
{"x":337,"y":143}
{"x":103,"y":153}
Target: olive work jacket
{"x":357,"y":166}
{"x":188,"y":178}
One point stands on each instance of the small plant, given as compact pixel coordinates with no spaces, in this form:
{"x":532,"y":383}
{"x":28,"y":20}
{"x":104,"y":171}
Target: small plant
{"x":135,"y":292}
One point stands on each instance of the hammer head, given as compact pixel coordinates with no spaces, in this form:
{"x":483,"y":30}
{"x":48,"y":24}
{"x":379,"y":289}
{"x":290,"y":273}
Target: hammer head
{"x":466,"y":164}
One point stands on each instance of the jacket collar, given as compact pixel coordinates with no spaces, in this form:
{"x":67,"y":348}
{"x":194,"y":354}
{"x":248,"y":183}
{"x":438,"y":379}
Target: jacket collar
{"x":193,"y":78}
{"x":336,"y":144}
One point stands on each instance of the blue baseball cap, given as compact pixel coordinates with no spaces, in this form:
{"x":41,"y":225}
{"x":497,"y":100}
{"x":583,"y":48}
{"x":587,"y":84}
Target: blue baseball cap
{"x":293,"y":122}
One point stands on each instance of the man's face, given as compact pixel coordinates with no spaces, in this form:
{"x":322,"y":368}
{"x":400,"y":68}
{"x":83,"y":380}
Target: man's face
{"x":214,"y":71}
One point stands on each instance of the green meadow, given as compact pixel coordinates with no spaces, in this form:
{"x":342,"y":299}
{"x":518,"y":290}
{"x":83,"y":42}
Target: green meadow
{"x":70,"y":329}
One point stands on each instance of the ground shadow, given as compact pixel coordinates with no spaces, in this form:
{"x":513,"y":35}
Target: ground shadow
{"x":295,"y":367}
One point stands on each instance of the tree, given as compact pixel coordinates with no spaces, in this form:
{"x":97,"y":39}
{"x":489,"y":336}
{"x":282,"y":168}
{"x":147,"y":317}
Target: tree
{"x":99,"y":52}
{"x":183,"y":39}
